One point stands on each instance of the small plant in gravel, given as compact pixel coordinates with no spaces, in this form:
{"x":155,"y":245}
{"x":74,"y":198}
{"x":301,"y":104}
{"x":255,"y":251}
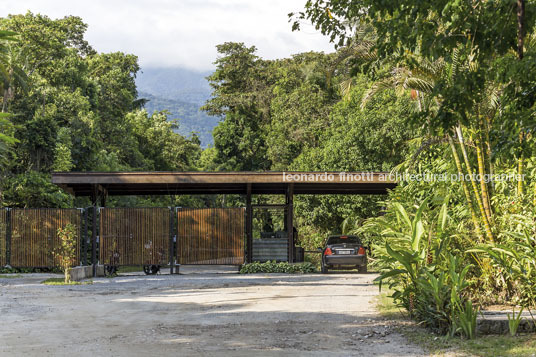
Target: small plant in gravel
{"x":60,"y":281}
{"x":274,"y":267}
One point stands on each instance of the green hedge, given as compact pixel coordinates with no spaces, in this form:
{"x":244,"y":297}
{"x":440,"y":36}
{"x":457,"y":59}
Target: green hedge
{"x":273,"y":267}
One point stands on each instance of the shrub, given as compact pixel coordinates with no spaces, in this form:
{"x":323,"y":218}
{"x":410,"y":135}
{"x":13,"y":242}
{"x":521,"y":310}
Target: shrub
{"x":427,"y":280}
{"x":273,"y":267}
{"x":66,"y":252}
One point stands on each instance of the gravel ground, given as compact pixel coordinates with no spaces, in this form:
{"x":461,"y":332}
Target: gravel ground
{"x":197,"y":315}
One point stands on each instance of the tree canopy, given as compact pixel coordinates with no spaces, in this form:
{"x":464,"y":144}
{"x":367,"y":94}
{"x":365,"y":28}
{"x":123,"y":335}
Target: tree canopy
{"x":73,"y":109}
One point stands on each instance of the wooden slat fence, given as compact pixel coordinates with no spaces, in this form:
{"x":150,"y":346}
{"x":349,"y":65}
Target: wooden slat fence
{"x":210,"y":236}
{"x":134,"y":236}
{"x":34,"y":235}
{"x":3,"y":236}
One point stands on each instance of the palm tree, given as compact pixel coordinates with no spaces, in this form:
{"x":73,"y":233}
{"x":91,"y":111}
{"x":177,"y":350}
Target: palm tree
{"x":9,"y":72}
{"x":420,"y":80}
{"x":13,"y":73}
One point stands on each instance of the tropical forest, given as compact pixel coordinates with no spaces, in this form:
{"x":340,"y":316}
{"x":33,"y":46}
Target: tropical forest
{"x":441,"y":94}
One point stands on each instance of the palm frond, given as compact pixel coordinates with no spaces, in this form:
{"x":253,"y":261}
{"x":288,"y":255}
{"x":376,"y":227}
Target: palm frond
{"x":377,"y":87}
{"x":345,"y":88}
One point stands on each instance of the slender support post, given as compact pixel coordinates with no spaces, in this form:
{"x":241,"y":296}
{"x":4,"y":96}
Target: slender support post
{"x":83,"y":239}
{"x":94,"y":241}
{"x":176,"y":239}
{"x":8,"y":236}
{"x":249,"y":225}
{"x":171,"y":245}
{"x":103,"y":197}
{"x":290,"y":226}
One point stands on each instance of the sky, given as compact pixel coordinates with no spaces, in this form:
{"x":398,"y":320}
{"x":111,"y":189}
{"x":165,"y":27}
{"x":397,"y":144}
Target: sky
{"x":183,"y":33}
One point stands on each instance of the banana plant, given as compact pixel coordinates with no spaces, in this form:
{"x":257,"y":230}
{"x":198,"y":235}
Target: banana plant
{"x":516,"y":259}
{"x":407,"y":235}
{"x":411,"y":252}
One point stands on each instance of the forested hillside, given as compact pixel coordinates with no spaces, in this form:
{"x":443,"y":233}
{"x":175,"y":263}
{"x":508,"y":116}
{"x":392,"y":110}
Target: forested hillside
{"x":192,"y":121}
{"x":174,"y":83}
{"x":181,"y":92}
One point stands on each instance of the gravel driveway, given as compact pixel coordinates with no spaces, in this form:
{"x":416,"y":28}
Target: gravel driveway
{"x":197,"y":315}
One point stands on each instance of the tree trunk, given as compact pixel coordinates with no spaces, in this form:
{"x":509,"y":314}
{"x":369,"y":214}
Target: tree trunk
{"x":488,"y":155}
{"x":4,"y":100}
{"x":67,"y":275}
{"x":482,"y":171}
{"x":465,"y":188}
{"x":483,"y":183}
{"x":520,"y":27}
{"x":485,"y":221}
{"x":520,"y":166}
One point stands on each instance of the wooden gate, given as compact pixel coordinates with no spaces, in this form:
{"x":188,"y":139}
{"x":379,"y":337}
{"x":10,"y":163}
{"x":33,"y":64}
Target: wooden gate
{"x":3,"y":237}
{"x":210,"y":236}
{"x":34,"y":235}
{"x":134,"y":236}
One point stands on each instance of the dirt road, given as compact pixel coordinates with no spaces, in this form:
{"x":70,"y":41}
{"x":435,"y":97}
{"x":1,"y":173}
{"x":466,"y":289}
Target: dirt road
{"x":197,"y":315}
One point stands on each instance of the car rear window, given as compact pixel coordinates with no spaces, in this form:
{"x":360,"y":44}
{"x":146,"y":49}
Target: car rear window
{"x":343,"y":239}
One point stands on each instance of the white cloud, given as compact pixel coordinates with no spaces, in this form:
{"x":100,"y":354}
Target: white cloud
{"x":183,"y":32}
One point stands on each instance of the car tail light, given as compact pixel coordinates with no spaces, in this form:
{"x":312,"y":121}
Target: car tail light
{"x":328,"y":251}
{"x":361,"y":251}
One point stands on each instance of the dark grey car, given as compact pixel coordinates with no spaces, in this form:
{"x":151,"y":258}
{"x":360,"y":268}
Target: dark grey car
{"x":344,"y":252}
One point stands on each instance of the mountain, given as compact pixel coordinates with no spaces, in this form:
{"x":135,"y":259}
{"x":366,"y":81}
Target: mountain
{"x":182,"y":92}
{"x":191,"y":119}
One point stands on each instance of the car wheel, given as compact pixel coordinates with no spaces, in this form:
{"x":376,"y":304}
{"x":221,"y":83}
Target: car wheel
{"x":324,"y":269}
{"x":362,"y":269}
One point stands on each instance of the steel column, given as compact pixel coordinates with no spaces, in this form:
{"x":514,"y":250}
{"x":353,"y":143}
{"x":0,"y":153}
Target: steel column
{"x":83,"y":238}
{"x":94,"y":241}
{"x":290,"y":226}
{"x":171,"y":235}
{"x":249,"y":225}
{"x":8,"y":237}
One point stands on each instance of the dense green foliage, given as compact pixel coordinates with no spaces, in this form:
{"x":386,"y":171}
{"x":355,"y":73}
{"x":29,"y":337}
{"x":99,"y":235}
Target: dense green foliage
{"x":289,"y":114}
{"x":470,"y":68}
{"x":73,"y":109}
{"x":273,"y":267}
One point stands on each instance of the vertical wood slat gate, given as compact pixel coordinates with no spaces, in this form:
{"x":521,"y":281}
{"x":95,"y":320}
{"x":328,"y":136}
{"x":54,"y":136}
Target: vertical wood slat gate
{"x":210,"y":236}
{"x":134,"y":236}
{"x":3,"y":237}
{"x":34,"y":235}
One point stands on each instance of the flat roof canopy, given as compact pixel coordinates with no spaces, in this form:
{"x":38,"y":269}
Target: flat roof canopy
{"x":184,"y":183}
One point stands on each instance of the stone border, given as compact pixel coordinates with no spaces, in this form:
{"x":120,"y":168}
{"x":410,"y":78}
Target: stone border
{"x":85,"y":272}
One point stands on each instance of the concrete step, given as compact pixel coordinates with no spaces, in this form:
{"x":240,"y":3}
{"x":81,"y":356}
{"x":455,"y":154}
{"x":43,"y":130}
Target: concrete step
{"x":496,"y":322}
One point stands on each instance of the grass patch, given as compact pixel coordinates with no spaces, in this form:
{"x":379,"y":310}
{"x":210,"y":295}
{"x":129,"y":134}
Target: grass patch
{"x":61,"y":281}
{"x":491,"y":345}
{"x":129,"y":269}
{"x":10,"y":276}
{"x":387,"y":308}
